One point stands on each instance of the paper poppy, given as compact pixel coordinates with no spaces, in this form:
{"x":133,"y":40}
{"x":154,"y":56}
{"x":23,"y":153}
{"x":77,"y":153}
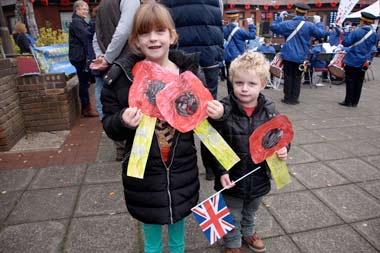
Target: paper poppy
{"x":270,"y":137}
{"x":184,"y":102}
{"x":149,"y":78}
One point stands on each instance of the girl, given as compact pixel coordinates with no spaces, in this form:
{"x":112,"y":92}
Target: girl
{"x":170,"y":185}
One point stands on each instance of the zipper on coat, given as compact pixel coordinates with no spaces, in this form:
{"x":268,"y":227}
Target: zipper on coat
{"x":168,"y":178}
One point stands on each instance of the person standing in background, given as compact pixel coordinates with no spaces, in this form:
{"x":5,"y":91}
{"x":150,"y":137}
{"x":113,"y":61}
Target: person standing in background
{"x":267,"y":46}
{"x":21,"y":39}
{"x":358,"y":44}
{"x":113,"y":26}
{"x":235,"y":40}
{"x":79,"y":54}
{"x":295,"y":51}
{"x":200,"y":30}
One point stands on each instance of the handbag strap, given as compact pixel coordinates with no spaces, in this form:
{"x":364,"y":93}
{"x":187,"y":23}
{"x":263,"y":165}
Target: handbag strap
{"x":296,"y":30}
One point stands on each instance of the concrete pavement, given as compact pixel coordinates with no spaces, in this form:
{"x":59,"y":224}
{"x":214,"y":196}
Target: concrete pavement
{"x":332,"y":204}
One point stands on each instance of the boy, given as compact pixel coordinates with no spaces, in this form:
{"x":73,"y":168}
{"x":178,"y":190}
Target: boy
{"x":236,"y":117}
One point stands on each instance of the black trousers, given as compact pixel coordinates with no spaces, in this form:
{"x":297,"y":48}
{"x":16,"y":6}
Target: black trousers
{"x":354,"y":84}
{"x":229,"y":84}
{"x":292,"y":81}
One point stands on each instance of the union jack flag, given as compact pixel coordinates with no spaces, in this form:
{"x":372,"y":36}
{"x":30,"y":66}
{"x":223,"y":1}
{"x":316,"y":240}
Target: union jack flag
{"x":213,"y":217}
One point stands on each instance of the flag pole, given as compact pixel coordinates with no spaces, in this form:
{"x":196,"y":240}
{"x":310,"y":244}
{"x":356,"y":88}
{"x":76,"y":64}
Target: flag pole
{"x":249,"y":173}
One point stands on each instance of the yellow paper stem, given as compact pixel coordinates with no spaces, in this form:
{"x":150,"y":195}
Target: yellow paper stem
{"x":216,"y":144}
{"x":141,"y":147}
{"x":279,"y":171}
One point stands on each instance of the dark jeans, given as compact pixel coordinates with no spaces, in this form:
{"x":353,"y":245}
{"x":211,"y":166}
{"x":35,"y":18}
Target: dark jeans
{"x":354,"y":84}
{"x":212,"y":80}
{"x":292,"y":81}
{"x":84,"y":82}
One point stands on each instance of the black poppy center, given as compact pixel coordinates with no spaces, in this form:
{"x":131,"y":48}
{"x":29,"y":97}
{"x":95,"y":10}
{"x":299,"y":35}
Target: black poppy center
{"x":186,"y":104}
{"x":153,"y":87}
{"x":272,"y":137}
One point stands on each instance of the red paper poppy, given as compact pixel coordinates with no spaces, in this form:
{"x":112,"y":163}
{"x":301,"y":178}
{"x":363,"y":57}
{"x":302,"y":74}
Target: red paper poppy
{"x":232,"y":5}
{"x":184,"y":102}
{"x":333,"y":4}
{"x":266,"y":6}
{"x":270,"y":137}
{"x":149,"y":78}
{"x":289,"y":5}
{"x":247,"y":6}
{"x":276,"y":6}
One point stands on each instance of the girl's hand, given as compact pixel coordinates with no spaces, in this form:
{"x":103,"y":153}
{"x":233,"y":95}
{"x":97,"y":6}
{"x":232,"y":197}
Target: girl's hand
{"x":132,"y":116}
{"x":282,"y":153}
{"x":215,"y":109}
{"x":226,"y":182}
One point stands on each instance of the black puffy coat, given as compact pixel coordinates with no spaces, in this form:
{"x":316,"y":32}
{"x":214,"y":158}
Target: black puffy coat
{"x":200,"y":28}
{"x":167,"y":192}
{"x":236,"y":128}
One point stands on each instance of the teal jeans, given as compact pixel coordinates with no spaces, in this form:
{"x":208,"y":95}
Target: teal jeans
{"x":153,"y":237}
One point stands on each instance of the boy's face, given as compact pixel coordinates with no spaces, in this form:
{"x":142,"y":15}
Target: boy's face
{"x":155,"y":44}
{"x":247,"y":87}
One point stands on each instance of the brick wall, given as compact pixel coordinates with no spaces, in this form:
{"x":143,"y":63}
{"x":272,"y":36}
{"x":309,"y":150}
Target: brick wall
{"x":11,"y":121}
{"x":48,"y":102}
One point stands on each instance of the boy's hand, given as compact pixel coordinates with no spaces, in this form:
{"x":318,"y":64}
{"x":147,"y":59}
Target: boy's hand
{"x":282,"y":153}
{"x":226,"y":182}
{"x":132,"y":116}
{"x":215,"y":109}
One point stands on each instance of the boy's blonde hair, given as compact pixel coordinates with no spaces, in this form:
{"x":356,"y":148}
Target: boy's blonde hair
{"x":251,"y":61}
{"x":151,"y":16}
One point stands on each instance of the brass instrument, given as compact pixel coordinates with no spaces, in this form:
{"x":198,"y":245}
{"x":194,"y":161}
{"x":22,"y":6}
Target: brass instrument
{"x":303,"y":67}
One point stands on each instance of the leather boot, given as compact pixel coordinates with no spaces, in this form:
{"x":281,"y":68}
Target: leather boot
{"x":89,"y":112}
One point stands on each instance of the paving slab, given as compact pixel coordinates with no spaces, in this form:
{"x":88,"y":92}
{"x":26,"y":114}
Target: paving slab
{"x":374,"y":160}
{"x":369,"y":229}
{"x":280,"y":244}
{"x":15,"y":180}
{"x":334,"y":239}
{"x":266,"y":225}
{"x":43,"y":205}
{"x":350,"y":202}
{"x":294,"y":185}
{"x":33,"y":237}
{"x":359,"y":132}
{"x":372,"y":187}
{"x":316,"y":175}
{"x":325,"y":151}
{"x":332,"y":134}
{"x":101,"y":199}
{"x":295,"y":211}
{"x":298,"y":155}
{"x":355,"y":169}
{"x":109,"y":233}
{"x":58,"y":176}
{"x":104,"y":172}
{"x":7,"y":201}
{"x":358,"y":147}
{"x":306,"y":137}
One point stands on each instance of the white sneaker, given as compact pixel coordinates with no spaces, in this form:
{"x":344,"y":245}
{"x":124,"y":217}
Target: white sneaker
{"x":319,"y":85}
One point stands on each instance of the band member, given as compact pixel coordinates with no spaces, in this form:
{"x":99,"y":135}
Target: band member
{"x":235,"y":39}
{"x":297,"y":33}
{"x":359,"y":43}
{"x":267,"y":47}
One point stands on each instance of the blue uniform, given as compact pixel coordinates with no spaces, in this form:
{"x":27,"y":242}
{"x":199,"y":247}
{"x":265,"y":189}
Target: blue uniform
{"x":357,"y":55}
{"x":264,"y":49}
{"x":236,"y":46}
{"x":296,"y":49}
{"x":334,"y":36}
{"x":317,"y":49}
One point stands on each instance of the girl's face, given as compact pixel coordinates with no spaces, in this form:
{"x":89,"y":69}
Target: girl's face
{"x":247,"y":87}
{"x":155,"y":44}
